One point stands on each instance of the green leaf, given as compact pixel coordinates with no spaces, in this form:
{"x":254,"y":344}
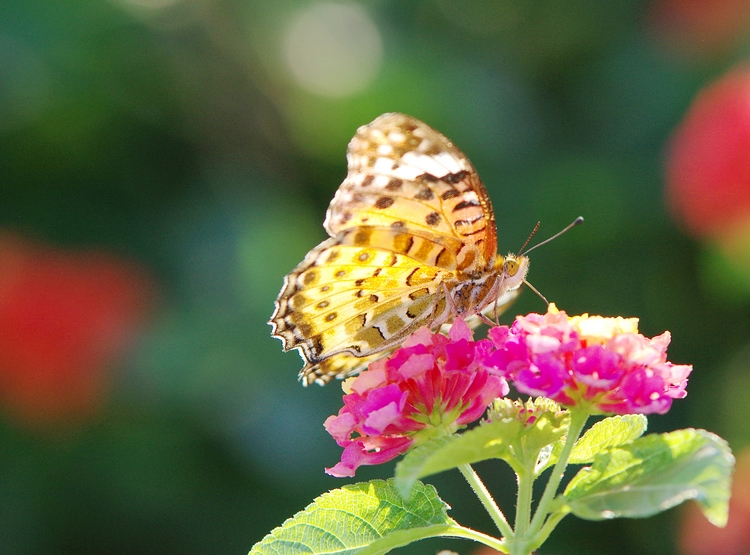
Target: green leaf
{"x":654,"y":473}
{"x":487,"y":441}
{"x":367,"y":518}
{"x":610,"y":432}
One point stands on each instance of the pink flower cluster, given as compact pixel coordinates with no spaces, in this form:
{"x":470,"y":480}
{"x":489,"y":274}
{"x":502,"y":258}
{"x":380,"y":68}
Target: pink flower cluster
{"x":435,"y":384}
{"x":431,"y":386}
{"x":602,"y":363}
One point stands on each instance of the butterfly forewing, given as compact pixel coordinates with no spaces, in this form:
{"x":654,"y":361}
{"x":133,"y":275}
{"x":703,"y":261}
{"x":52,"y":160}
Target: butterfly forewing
{"x":403,"y":173}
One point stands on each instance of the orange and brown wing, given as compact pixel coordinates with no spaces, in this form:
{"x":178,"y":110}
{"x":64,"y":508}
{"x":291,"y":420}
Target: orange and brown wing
{"x":404,"y":174}
{"x":410,"y":220}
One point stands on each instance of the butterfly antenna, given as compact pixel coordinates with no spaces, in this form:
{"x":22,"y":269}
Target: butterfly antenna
{"x":577,"y":221}
{"x":535,"y":290}
{"x":533,"y":231}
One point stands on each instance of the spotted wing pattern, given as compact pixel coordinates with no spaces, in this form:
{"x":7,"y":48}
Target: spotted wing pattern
{"x":404,"y":174}
{"x":410,"y":221}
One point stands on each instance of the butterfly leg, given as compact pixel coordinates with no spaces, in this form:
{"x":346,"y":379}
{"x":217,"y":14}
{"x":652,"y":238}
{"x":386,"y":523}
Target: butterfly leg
{"x":486,"y":320}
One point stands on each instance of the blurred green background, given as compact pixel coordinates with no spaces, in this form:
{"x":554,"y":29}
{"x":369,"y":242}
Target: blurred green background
{"x":197,"y":143}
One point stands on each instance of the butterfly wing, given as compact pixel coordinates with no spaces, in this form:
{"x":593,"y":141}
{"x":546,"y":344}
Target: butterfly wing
{"x":404,"y":174}
{"x":411,"y":218}
{"x":344,"y":364}
{"x":359,"y":294}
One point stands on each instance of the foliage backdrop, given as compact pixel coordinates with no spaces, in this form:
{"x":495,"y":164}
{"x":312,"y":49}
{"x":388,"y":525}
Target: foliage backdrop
{"x":164,"y":163}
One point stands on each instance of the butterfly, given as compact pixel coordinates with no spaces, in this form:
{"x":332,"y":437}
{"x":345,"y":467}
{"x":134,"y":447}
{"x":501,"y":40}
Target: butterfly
{"x":413,"y":242}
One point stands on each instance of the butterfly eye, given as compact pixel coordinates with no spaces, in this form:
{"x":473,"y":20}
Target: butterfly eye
{"x":511,"y":266}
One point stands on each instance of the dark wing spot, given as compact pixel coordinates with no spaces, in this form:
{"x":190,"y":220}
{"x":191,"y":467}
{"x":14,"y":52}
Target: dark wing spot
{"x":325,"y":288}
{"x":322,"y":304}
{"x":476,"y":231}
{"x":368,"y":180}
{"x":393,"y":260}
{"x":411,"y":274}
{"x":450,"y":193}
{"x":377,"y":271}
{"x":317,"y":342}
{"x":397,"y":224}
{"x":363,"y":256}
{"x":298,"y":301}
{"x":310,"y":277}
{"x":384,"y":202}
{"x":433,"y":219}
{"x":460,"y":224}
{"x":425,"y":194}
{"x":331,"y":317}
{"x":359,"y":282}
{"x":332,"y":256}
{"x":394,"y":185}
{"x":427,"y":178}
{"x":404,"y":244}
{"x":438,"y":262}
{"x":455,"y":177}
{"x":340,"y":273}
{"x":465,"y":204}
{"x":363,"y":236}
{"x":374,"y":298}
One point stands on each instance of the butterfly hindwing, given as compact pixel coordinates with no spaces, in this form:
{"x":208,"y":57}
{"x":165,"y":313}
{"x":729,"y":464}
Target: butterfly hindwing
{"x":360,"y":298}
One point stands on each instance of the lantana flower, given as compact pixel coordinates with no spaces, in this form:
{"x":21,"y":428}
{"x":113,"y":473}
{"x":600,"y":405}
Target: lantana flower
{"x":593,"y":361}
{"x":431,"y":386}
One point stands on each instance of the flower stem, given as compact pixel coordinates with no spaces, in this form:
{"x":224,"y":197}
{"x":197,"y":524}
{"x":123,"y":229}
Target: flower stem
{"x":578,"y":419}
{"x":518,"y":544}
{"x":487,"y":500}
{"x":523,"y":503}
{"x":458,"y":531}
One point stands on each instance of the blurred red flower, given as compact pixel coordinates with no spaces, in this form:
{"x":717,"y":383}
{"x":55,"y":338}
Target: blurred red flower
{"x":65,"y":317}
{"x":708,"y":165}
{"x":697,"y":536}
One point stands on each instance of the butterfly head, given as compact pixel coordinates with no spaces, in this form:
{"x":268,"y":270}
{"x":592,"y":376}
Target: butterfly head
{"x":512,"y":270}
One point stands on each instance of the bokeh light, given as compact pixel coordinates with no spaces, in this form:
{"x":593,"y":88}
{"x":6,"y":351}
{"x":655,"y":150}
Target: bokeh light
{"x":333,"y":49}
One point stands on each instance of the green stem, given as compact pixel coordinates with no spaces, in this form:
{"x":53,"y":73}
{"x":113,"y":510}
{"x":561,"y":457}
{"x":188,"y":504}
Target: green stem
{"x":487,"y":500}
{"x":523,"y":505}
{"x":578,"y":419}
{"x":458,"y":531}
